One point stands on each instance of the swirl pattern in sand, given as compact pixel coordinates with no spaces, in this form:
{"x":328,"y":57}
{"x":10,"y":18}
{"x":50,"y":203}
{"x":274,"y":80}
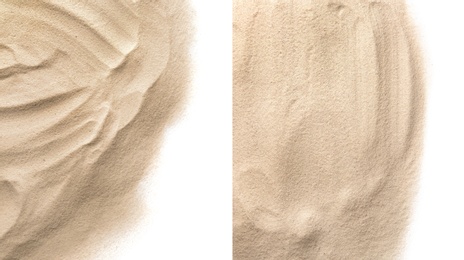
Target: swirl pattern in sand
{"x":328,"y":104}
{"x":74,"y":78}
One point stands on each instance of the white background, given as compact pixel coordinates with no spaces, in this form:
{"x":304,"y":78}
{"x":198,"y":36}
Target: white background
{"x":437,"y":229}
{"x":189,"y":196}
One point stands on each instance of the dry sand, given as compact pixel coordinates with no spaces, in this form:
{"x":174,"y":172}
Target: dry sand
{"x":328,"y":107}
{"x":86,"y":90}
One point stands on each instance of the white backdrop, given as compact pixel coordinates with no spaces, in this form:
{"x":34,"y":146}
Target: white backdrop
{"x":189,"y":196}
{"x":437,"y":229}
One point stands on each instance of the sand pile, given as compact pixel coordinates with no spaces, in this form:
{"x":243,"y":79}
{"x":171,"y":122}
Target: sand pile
{"x":328,"y":107}
{"x":86,"y":90}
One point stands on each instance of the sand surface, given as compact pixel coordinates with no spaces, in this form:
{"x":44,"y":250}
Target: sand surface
{"x":86,"y":89}
{"x":328,"y":106}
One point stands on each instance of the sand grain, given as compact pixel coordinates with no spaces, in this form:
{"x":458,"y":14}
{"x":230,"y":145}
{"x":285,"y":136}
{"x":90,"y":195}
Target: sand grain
{"x":328,"y":106}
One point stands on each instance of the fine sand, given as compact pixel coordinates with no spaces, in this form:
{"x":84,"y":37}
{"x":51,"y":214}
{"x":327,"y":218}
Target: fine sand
{"x":328,"y":107}
{"x":86,"y":90}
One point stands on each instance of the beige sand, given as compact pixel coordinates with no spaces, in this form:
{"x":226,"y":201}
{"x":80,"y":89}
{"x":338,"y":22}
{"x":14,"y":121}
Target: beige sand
{"x":328,"y":105}
{"x":86,"y":89}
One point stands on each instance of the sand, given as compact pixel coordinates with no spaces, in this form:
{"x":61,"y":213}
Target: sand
{"x":86,"y":90}
{"x":328,"y":112}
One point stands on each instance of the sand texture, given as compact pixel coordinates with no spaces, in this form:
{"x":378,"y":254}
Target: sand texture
{"x":86,"y":89}
{"x":328,"y":107}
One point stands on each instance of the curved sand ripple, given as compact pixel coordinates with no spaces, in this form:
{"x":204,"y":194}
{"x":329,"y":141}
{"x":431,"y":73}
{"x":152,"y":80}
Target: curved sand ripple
{"x":328,"y":103}
{"x":75,"y":80}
